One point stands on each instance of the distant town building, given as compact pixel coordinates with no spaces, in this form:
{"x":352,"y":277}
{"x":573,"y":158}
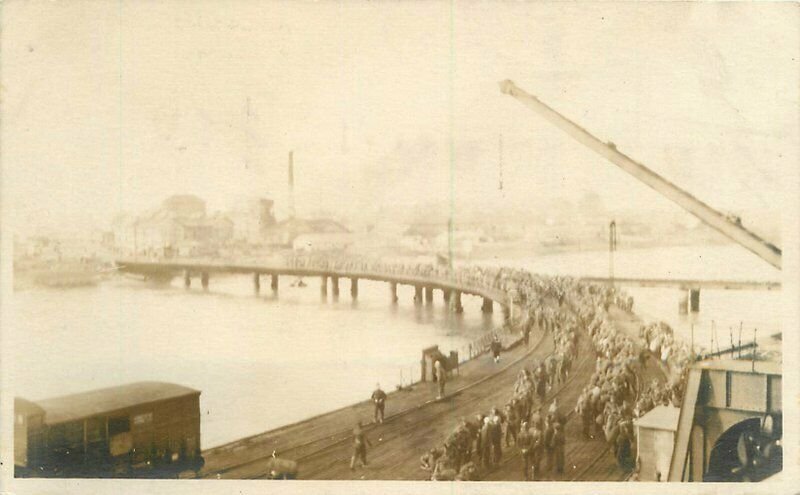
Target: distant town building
{"x":251,"y":221}
{"x":179,"y":227}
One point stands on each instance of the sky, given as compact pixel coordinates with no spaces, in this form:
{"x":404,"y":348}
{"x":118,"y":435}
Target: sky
{"x":113,"y":106}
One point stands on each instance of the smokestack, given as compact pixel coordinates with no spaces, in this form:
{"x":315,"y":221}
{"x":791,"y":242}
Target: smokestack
{"x":291,"y":184}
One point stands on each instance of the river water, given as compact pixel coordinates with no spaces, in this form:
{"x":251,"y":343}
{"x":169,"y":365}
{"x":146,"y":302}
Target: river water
{"x":260,"y":361}
{"x":265,"y":361}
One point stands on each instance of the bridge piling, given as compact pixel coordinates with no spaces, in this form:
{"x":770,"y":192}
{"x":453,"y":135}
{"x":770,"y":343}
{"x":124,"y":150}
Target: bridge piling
{"x":187,"y":279}
{"x":274,"y":283}
{"x":354,"y":288}
{"x":204,"y":280}
{"x":393,"y":292}
{"x":428,"y":294}
{"x":487,"y":306}
{"x":446,"y":295}
{"x":335,"y":286}
{"x":455,"y":302}
{"x":323,"y":286}
{"x":257,"y":282}
{"x":417,"y":294}
{"x":694,"y":300}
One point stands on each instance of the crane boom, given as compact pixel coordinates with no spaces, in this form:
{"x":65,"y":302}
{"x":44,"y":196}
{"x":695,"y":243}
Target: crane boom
{"x":719,"y":221}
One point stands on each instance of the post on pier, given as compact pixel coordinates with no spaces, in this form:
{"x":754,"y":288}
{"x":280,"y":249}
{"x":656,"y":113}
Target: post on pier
{"x":393,"y":292}
{"x":335,"y":286}
{"x":488,"y":305}
{"x":354,"y":288}
{"x":323,"y":286}
{"x":694,"y":300}
{"x":187,"y":279}
{"x":204,"y":280}
{"x":428,"y":294}
{"x":257,"y":282}
{"x":455,"y":302}
{"x":417,"y":294}
{"x":274,"y":282}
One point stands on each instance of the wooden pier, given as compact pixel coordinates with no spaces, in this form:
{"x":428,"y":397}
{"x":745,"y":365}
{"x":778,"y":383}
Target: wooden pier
{"x":416,"y":422}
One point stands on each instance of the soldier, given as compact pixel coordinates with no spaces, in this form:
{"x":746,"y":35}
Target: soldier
{"x":537,"y":449}
{"x":477,"y":427}
{"x":444,"y":470}
{"x":496,"y":435}
{"x":428,"y":460}
{"x":485,"y":443}
{"x":536,"y":418}
{"x":379,"y":399}
{"x":468,"y":472}
{"x":512,"y":421}
{"x":549,"y":431}
{"x":587,"y":414}
{"x":441,"y":378}
{"x":524,"y":443}
{"x":496,"y":347}
{"x":558,"y":441}
{"x":360,"y":442}
{"x":541,"y":382}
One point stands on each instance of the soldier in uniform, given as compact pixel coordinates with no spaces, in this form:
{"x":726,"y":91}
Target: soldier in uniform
{"x":360,"y":442}
{"x":441,"y":377}
{"x":537,"y":449}
{"x":379,"y":399}
{"x":496,"y":347}
{"x":485,"y":443}
{"x":558,"y":441}
{"x":525,"y":443}
{"x":549,"y":431}
{"x":496,"y":435}
{"x":428,"y":459}
{"x":444,"y":470}
{"x":512,"y":422}
{"x":540,"y":377}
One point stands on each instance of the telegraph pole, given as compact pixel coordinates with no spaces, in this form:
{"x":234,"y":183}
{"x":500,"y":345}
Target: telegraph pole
{"x":612,"y":246}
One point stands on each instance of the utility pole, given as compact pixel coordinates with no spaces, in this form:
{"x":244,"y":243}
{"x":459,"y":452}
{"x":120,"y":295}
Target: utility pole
{"x":291,"y":185}
{"x":612,"y":246}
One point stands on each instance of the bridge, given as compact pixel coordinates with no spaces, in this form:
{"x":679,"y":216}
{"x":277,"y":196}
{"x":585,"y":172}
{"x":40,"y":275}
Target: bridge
{"x":452,"y":284}
{"x":690,"y":299}
{"x":687,"y":284}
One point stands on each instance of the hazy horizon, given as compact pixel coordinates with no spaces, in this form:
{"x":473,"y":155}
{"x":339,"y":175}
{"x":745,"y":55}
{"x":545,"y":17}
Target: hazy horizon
{"x":113,"y":107}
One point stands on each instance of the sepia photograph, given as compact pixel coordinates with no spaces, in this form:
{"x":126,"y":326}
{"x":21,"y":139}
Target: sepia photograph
{"x":453,"y":241}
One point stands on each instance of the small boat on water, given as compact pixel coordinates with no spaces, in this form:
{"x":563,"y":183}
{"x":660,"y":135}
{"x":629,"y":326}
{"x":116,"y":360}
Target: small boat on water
{"x":299,"y":283}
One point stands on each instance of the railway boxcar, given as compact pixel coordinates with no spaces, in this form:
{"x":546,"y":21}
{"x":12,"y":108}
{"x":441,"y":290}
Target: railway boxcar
{"x":144,"y":429}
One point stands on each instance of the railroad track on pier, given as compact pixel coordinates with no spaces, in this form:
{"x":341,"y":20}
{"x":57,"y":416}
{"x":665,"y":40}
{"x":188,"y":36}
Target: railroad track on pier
{"x":338,"y":438}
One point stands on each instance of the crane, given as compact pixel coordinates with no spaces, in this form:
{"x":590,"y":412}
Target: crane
{"x":730,"y":227}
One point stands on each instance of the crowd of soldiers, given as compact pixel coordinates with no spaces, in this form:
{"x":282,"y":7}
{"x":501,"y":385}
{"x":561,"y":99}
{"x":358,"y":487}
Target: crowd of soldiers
{"x":660,"y":340}
{"x":567,"y":309}
{"x":559,"y":306}
{"x":615,"y":396}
